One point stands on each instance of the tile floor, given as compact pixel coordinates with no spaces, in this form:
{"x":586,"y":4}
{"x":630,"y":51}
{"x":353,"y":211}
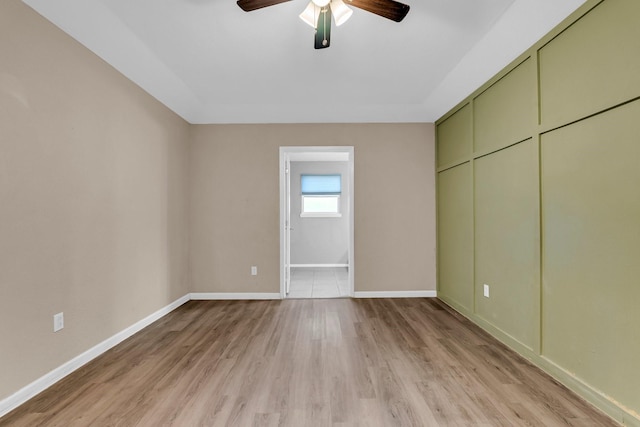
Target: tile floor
{"x":319,"y":282}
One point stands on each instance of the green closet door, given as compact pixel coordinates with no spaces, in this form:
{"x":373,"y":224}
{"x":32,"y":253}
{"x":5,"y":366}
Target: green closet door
{"x":455,"y":236}
{"x":507,"y":241}
{"x":591,"y":237}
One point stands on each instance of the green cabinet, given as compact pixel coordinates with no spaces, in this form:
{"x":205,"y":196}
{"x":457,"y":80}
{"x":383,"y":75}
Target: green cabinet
{"x":454,"y":138}
{"x":543,"y":205}
{"x":592,"y":65}
{"x":504,"y":113}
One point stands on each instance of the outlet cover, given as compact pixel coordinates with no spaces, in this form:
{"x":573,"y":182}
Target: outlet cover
{"x":254,"y":270}
{"x":485,"y":290}
{"x":58,"y":322}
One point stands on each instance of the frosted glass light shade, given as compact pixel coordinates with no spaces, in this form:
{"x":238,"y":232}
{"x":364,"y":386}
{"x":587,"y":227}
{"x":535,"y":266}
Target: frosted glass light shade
{"x":311,"y":14}
{"x":341,"y":13}
{"x":321,"y":3}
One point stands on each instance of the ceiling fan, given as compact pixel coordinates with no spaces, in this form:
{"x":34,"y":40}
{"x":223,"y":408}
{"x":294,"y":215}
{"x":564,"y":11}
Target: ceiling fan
{"x":318,"y":13}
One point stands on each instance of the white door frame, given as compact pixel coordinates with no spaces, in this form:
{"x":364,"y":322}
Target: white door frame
{"x":321,"y":152}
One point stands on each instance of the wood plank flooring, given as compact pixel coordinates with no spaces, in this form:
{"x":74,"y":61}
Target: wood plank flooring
{"x":333,"y":362}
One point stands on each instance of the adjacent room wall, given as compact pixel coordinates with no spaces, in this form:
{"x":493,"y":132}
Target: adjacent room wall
{"x":235,"y":203}
{"x":319,"y":240}
{"x":93,"y":220}
{"x":539,"y":200}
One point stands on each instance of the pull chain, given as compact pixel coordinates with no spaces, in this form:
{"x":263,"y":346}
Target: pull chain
{"x":324,"y":24}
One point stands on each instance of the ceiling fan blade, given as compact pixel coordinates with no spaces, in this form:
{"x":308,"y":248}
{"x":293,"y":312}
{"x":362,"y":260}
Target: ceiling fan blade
{"x":249,"y":5}
{"x":323,"y":29}
{"x":389,"y":9}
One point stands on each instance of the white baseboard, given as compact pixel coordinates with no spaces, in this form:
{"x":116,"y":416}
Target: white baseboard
{"x":319,"y":265}
{"x":396,"y":294}
{"x":21,"y":396}
{"x":233,"y":296}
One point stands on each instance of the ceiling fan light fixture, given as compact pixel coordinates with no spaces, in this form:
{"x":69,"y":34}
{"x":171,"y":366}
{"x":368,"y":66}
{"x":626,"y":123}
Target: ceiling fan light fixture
{"x":318,"y":13}
{"x":341,"y":13}
{"x":310,"y":14}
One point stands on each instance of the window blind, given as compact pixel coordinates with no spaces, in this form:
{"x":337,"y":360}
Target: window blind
{"x":321,"y":184}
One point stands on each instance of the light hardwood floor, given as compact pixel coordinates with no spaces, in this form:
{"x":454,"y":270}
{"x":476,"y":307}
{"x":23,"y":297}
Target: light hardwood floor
{"x":333,"y":362}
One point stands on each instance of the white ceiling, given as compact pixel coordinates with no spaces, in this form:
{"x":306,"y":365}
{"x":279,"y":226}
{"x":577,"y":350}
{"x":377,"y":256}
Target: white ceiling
{"x":210,"y":62}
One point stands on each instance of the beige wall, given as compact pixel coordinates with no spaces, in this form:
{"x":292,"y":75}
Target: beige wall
{"x":235,"y":203}
{"x":93,"y":213}
{"x":95,"y":183}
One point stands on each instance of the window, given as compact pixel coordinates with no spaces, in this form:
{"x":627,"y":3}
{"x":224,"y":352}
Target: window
{"x":320,"y":204}
{"x":321,"y":195}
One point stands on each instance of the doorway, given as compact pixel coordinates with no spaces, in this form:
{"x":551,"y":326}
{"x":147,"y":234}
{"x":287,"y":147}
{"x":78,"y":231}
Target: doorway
{"x":316,"y":225}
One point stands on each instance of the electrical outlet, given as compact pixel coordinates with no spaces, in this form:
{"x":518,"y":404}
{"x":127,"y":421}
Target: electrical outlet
{"x":58,"y":322}
{"x":486,"y":290}
{"x":254,"y":270}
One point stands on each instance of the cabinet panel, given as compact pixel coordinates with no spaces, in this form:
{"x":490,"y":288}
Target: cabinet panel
{"x":591,"y":235}
{"x":455,"y":235}
{"x":507,"y":241}
{"x":594,"y":64}
{"x":504,"y":113}
{"x":454,"y":137}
